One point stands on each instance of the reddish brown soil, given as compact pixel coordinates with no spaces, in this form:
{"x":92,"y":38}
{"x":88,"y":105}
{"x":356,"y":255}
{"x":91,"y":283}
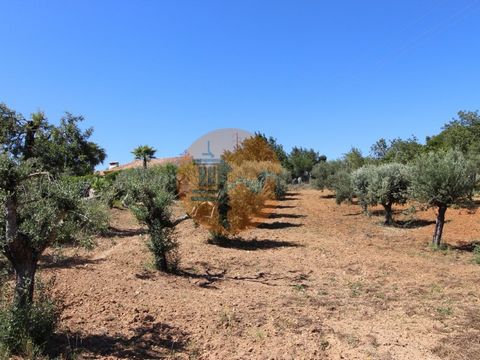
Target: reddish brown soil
{"x":317,"y":281}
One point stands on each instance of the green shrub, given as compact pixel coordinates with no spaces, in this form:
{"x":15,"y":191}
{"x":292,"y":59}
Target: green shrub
{"x":323,"y":174}
{"x":476,"y":254}
{"x":281,"y":184}
{"x":25,"y":331}
{"x":164,"y":248}
{"x":147,"y":193}
{"x":342,"y":185}
{"x":361,"y":179}
{"x":280,"y":180}
{"x":388,"y":184}
{"x":5,"y":268}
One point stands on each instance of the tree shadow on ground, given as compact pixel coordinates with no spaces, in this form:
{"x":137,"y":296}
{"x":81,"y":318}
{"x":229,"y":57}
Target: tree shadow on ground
{"x":49,"y":261}
{"x":327,"y":196}
{"x":381,"y":212}
{"x":354,"y":214}
{"x":149,"y":341}
{"x":279,"y":206}
{"x":466,"y":246}
{"x":286,"y":216}
{"x":277,"y":225}
{"x":205,"y":280}
{"x":116,"y":232}
{"x":292,"y":194}
{"x":251,"y":245}
{"x":414,"y":224}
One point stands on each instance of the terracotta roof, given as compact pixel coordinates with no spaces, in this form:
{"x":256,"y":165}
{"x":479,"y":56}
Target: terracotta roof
{"x":139,"y":163}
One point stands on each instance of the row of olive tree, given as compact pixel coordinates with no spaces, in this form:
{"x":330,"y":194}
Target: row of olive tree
{"x":438,"y":179}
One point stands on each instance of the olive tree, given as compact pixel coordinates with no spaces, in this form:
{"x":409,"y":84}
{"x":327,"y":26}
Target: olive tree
{"x":323,"y":173}
{"x":387,"y":185}
{"x":361,"y":179}
{"x":442,"y":179}
{"x":147,"y":193}
{"x":342,"y":185}
{"x":38,"y":206}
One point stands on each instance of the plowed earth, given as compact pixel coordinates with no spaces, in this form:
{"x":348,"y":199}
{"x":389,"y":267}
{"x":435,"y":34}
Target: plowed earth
{"x":315,"y":281}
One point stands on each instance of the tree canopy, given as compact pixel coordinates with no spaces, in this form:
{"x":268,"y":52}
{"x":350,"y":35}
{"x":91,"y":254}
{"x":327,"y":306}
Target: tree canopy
{"x":39,"y":202}
{"x":442,"y":179}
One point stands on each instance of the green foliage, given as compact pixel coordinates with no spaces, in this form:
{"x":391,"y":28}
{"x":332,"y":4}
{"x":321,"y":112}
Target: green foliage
{"x":91,"y":218}
{"x":26,"y":330}
{"x":164,"y":248}
{"x":303,"y":160}
{"x":48,"y":209}
{"x":38,"y":201}
{"x":169,"y":172}
{"x":342,"y":185}
{"x":58,"y":149}
{"x":475,"y":161}
{"x":462,"y":134}
{"x":146,"y":192}
{"x":323,"y":173}
{"x":442,"y":178}
{"x":361,"y":179}
{"x":281,"y":184}
{"x":116,"y":184}
{"x":5,"y":269}
{"x":66,"y":149}
{"x":354,"y":159}
{"x":387,"y":185}
{"x":399,"y":150}
{"x":476,"y":254}
{"x":144,"y":153}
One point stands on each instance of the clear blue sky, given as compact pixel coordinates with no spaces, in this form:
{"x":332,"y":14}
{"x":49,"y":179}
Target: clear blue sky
{"x":321,"y":74}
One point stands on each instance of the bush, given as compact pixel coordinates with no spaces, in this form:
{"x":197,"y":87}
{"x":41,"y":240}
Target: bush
{"x":387,"y":185}
{"x":147,"y":193}
{"x":342,"y":185}
{"x":323,"y":174}
{"x":25,"y":331}
{"x":164,"y":248}
{"x":281,"y":184}
{"x":81,"y":227}
{"x":5,"y":268}
{"x":361,"y":179}
{"x":476,"y":254}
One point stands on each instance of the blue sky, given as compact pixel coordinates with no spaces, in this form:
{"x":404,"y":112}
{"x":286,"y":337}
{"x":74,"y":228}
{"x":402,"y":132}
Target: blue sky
{"x":321,"y":74}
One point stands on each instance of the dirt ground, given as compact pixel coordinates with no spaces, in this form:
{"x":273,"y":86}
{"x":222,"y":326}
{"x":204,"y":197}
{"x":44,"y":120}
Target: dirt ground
{"x":315,"y":281}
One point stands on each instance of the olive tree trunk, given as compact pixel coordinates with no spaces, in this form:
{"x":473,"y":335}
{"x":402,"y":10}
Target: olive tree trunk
{"x":388,"y":214}
{"x":21,"y":255}
{"x":25,"y":282}
{"x":437,"y":236}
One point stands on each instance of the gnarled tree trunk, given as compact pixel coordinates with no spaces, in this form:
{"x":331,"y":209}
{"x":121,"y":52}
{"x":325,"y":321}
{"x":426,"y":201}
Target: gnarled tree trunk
{"x":22,"y":256}
{"x":25,"y":281}
{"x":437,"y":236}
{"x":388,"y":214}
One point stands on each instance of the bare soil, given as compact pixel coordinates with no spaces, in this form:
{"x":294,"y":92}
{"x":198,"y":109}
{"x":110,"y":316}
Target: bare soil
{"x":315,"y":281}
